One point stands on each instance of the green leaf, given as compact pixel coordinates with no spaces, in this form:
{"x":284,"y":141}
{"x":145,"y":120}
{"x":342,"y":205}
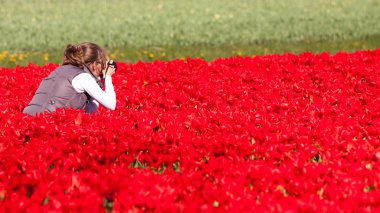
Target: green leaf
{"x":316,"y":158}
{"x":368,"y":189}
{"x":107,"y":204}
{"x":250,"y":186}
{"x":51,"y":166}
{"x":251,"y":157}
{"x":176,"y":166}
{"x":46,"y":200}
{"x":136,"y":164}
{"x":160,"y":169}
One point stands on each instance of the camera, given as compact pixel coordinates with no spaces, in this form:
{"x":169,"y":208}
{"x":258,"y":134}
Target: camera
{"x":112,"y":63}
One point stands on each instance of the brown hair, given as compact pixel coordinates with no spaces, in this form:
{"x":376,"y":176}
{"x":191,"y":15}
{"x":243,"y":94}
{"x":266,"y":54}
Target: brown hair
{"x":83,"y":53}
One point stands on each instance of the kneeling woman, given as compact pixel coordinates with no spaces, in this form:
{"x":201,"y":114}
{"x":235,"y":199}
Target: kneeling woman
{"x":76,"y":84}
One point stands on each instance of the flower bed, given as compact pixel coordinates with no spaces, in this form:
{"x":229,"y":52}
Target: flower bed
{"x":266,"y":133}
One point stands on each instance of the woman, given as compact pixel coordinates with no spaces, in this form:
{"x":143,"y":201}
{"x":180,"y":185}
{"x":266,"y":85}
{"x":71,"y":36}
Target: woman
{"x":76,"y":84}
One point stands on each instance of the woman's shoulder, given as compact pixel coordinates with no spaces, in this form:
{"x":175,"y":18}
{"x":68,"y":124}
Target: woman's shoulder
{"x":67,"y":71}
{"x":69,"y":68}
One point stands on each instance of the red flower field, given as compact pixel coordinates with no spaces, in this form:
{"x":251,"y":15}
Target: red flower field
{"x":274,"y":133}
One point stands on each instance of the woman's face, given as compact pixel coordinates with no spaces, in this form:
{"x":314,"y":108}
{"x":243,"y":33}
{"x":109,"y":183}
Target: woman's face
{"x":97,"y":68}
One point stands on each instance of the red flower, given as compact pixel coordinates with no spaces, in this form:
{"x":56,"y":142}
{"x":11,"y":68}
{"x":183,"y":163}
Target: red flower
{"x":267,"y":133}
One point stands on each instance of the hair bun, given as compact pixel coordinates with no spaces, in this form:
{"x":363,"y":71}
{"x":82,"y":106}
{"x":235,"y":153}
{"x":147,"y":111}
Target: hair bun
{"x":73,"y":55}
{"x":72,"y":48}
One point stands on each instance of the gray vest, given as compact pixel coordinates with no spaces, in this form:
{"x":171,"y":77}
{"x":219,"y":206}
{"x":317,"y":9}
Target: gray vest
{"x":56,"y":91}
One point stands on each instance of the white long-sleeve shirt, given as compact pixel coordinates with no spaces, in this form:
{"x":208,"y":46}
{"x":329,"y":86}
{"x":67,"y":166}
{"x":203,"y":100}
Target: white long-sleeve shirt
{"x":84,"y":82}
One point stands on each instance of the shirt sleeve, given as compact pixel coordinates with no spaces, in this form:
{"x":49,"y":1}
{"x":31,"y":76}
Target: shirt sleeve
{"x":84,"y":82}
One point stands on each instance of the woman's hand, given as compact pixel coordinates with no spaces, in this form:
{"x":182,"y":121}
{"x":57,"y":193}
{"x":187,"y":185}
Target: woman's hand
{"x":109,"y":70}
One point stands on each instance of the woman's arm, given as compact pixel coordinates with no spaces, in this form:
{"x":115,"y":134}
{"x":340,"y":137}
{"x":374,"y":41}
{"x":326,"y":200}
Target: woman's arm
{"x":84,"y":82}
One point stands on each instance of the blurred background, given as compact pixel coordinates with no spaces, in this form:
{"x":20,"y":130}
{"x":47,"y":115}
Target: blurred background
{"x":37,"y":31}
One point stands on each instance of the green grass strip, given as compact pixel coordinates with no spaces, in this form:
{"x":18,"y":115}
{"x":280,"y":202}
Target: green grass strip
{"x":207,"y":52}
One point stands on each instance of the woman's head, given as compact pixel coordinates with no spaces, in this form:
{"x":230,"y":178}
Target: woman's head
{"x":84,"y":54}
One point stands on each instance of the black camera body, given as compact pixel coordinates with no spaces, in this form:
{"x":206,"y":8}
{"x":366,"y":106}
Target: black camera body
{"x":112,"y":63}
